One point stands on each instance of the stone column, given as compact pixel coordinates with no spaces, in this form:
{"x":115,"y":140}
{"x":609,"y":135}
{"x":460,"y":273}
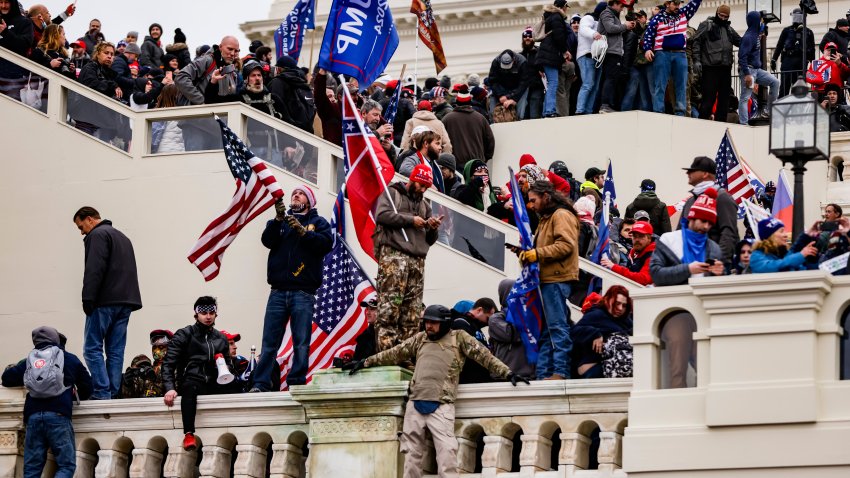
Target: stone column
{"x":496,"y":457}
{"x":575,"y":449}
{"x":610,"y":451}
{"x":250,"y":462}
{"x":8,"y":453}
{"x":466,"y":455}
{"x":355,"y":421}
{"x":180,"y":463}
{"x":111,"y":464}
{"x":85,"y":465}
{"x":215,"y":463}
{"x":536,"y":454}
{"x":287,"y":461}
{"x":146,"y":463}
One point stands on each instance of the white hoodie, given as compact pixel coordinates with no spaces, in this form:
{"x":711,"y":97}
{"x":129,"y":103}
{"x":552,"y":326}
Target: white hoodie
{"x":586,"y":32}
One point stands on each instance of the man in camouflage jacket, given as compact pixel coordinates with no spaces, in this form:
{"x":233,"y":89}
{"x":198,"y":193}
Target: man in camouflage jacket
{"x":440,"y":354}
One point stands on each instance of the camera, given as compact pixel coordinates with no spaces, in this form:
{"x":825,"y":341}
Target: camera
{"x":65,"y":67}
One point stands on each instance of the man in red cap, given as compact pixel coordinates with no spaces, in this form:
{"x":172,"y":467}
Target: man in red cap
{"x":643,"y":245}
{"x":405,"y":232}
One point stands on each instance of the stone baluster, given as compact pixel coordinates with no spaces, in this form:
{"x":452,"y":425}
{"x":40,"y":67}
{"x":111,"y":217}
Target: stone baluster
{"x":215,"y":462}
{"x":146,"y":463}
{"x":610,"y":451}
{"x":466,"y":449}
{"x":49,"y":465}
{"x":496,"y":458}
{"x":9,"y":453}
{"x":846,"y":173}
{"x":429,"y":456}
{"x":180,"y":463}
{"x":250,"y":462}
{"x":575,"y":449}
{"x":287,"y":461}
{"x":85,"y":465}
{"x":536,"y":454}
{"x":111,"y":464}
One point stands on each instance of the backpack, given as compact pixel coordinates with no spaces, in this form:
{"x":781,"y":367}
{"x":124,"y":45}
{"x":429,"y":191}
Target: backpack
{"x":302,"y":108}
{"x":538,"y":30}
{"x":45,"y":374}
{"x":819,"y":73}
{"x":504,"y":115}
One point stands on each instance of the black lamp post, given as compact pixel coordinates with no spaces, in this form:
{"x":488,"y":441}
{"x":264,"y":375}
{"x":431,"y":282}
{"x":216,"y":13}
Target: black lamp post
{"x":770,"y":9}
{"x":799,"y":133}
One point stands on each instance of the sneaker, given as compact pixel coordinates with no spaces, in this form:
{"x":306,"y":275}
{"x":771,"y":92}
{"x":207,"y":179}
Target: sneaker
{"x":606,"y":109}
{"x":189,"y":442}
{"x":255,"y":390}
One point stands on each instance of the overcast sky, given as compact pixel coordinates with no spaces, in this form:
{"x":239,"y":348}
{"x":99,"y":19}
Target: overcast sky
{"x":203,"y":21}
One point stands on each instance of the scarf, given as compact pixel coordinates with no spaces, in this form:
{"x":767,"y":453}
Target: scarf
{"x":701,"y":187}
{"x":436,"y":172}
{"x":693,"y":246}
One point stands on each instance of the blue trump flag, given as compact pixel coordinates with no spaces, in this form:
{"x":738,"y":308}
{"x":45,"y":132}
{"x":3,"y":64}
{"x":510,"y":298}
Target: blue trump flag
{"x":360,"y":38}
{"x":289,"y":36}
{"x":525,"y":307}
{"x":608,"y":187}
{"x":609,"y":198}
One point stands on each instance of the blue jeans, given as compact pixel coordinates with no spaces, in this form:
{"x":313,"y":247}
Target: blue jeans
{"x":49,"y":431}
{"x":590,"y":76}
{"x":282,"y":305}
{"x":550,"y":100}
{"x":665,"y":65}
{"x":762,"y":78}
{"x":106,"y":328}
{"x":638,"y":91}
{"x":555,"y":344}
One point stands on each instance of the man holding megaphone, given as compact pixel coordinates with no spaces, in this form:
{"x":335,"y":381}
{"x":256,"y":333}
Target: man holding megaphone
{"x":197,"y":363}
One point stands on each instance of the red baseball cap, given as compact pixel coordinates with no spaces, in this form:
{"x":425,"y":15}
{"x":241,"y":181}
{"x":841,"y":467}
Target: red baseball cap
{"x":422,"y":174}
{"x":233,"y":337}
{"x":78,"y":43}
{"x":642,"y":227}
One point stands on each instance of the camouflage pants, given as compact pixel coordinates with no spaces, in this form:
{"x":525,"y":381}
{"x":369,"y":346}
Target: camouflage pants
{"x":400,"y":285}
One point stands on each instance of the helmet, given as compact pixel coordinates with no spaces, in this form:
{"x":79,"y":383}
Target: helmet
{"x":560,"y":168}
{"x":437,"y":313}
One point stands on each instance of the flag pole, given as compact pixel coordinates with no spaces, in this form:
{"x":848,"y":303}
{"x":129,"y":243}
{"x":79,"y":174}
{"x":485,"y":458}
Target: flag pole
{"x":374,"y":156}
{"x":313,"y":36}
{"x":416,"y":59}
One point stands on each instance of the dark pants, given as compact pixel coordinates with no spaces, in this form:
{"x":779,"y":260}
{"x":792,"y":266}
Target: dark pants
{"x":789,"y":72}
{"x":716,"y":85}
{"x":612,"y":72}
{"x":283,"y":305}
{"x":189,"y":391}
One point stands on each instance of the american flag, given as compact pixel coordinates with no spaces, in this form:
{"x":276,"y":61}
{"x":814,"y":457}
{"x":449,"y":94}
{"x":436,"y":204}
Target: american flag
{"x":338,"y":318}
{"x":608,"y":187}
{"x":730,"y":175}
{"x":392,"y":107}
{"x":256,"y":191}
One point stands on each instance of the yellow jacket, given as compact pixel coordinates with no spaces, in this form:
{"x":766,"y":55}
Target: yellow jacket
{"x":556,"y":245}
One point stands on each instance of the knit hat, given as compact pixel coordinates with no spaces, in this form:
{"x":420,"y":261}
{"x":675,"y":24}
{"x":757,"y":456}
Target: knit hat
{"x":463,"y":96}
{"x":600,"y":7}
{"x":724,"y":9}
{"x":424,"y":105}
{"x":311,"y":197}
{"x":560,"y":3}
{"x":576,"y":18}
{"x":121,"y":43}
{"x":534,"y":173}
{"x":45,"y":334}
{"x":528,"y":33}
{"x":439,"y":92}
{"x":447,"y":160}
{"x":842,"y":22}
{"x":769,"y":226}
{"x":647,"y":185}
{"x":155,"y":25}
{"x":133,"y":48}
{"x":422,"y":174}
{"x":478,"y":93}
{"x":254,"y":45}
{"x":133,"y":34}
{"x":586,"y":207}
{"x":705,"y":207}
{"x":473,"y":80}
{"x":642,"y":227}
{"x":526,"y":159}
{"x":286,"y":62}
{"x":431,"y":82}
{"x":179,"y":36}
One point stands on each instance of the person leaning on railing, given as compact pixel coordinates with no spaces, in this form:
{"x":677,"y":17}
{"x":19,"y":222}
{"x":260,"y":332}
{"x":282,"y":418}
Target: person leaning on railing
{"x":771,"y":253}
{"x":51,"y":52}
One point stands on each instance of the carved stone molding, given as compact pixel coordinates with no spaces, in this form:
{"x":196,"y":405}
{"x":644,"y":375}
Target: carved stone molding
{"x":9,"y":440}
{"x":355,"y":429}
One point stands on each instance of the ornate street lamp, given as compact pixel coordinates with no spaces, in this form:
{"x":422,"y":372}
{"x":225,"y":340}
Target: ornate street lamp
{"x":799,"y":133}
{"x":770,"y":9}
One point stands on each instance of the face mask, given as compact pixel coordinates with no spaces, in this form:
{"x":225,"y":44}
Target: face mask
{"x":159,"y":352}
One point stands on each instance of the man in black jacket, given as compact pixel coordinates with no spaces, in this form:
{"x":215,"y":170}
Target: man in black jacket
{"x":48,"y":420}
{"x":291,"y":86}
{"x":534,"y":98}
{"x":298,"y":240}
{"x":789,"y":48}
{"x":724,"y":231}
{"x":509,"y":79}
{"x":190,"y":365}
{"x":472,"y":322}
{"x":713,"y":58}
{"x":110,"y":294}
{"x":550,"y":55}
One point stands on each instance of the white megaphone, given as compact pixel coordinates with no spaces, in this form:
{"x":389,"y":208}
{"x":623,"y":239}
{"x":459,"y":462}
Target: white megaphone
{"x":224,"y":375}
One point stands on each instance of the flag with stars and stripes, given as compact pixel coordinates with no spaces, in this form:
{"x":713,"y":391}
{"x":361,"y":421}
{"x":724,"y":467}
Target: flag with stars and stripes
{"x":338,"y":317}
{"x":730,"y":175}
{"x":392,"y":107}
{"x":525,"y":305}
{"x":608,"y":188}
{"x":256,"y":190}
{"x":289,"y":36}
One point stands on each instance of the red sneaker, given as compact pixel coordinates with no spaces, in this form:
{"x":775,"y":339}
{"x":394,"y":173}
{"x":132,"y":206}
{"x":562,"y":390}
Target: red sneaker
{"x":189,"y":442}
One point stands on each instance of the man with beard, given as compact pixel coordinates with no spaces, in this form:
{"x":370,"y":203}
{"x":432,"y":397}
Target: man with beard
{"x":298,"y":241}
{"x":534,"y":100}
{"x":440,"y":354}
{"x":152,"y":48}
{"x":93,"y":36}
{"x":255,"y":94}
{"x":713,"y":58}
{"x":428,"y":146}
{"x":371,"y":114}
{"x":405,"y":232}
{"x":292,"y":88}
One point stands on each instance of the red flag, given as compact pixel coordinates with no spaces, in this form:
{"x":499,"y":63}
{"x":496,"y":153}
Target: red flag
{"x":364,"y":183}
{"x":428,"y":33}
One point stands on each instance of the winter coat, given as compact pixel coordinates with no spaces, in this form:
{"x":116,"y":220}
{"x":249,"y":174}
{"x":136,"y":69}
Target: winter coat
{"x":291,"y":86}
{"x":329,"y":113}
{"x":665,"y":265}
{"x":766,"y":259}
{"x":586,"y":31}
{"x":18,"y":35}
{"x":638,"y":267}
{"x":151,"y":53}
{"x":714,"y":41}
{"x":725,"y":231}
{"x":429,"y":119}
{"x":91,"y":41}
{"x":123,"y":77}
{"x":172,"y":139}
{"x":440,"y":111}
{"x":44,"y":58}
{"x":838,"y":37}
{"x":295,"y":261}
{"x":390,"y":224}
{"x":667,"y":31}
{"x":631,"y":39}
{"x":191,"y":356}
{"x":749,"y":53}
{"x":612,"y":28}
{"x":556,"y":244}
{"x":403,"y":114}
{"x":535,"y":82}
{"x":659,"y":217}
{"x":470,"y":135}
{"x":193,"y":81}
{"x":512,"y":82}
{"x":181,"y":51}
{"x":110,"y":276}
{"x":469,"y":193}
{"x":552,"y":48}
{"x":596,"y":323}
{"x":100,"y":78}
{"x":505,"y":339}
{"x":74,"y":375}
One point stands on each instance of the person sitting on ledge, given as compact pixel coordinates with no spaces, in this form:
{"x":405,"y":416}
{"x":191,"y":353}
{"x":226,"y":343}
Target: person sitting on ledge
{"x":440,"y":354}
{"x":601,"y":338}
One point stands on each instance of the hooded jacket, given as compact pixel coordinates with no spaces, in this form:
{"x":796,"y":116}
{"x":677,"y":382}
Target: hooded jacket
{"x":505,"y":339}
{"x":429,"y":119}
{"x":110,"y":276}
{"x":18,"y":35}
{"x":191,"y":356}
{"x":389,"y":223}
{"x":714,"y":41}
{"x":194,"y":84}
{"x":612,"y":28}
{"x":596,"y":323}
{"x":638,"y":268}
{"x":291,"y":86}
{"x":838,"y":37}
{"x":552,"y":48}
{"x":749,"y":53}
{"x":470,"y":134}
{"x":665,"y":265}
{"x":469,"y":193}
{"x":151,"y":53}
{"x":659,"y":217}
{"x":512,"y":82}
{"x":180,"y":51}
{"x":295,"y":261}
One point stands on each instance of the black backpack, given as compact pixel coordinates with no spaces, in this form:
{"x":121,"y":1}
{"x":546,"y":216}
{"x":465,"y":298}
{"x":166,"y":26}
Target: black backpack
{"x":301,"y":105}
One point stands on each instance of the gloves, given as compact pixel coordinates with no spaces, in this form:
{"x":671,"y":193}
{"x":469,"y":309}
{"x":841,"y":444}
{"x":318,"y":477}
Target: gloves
{"x":528,"y":256}
{"x":295,"y":225}
{"x":514,"y":378}
{"x":697,"y":69}
{"x":772,"y":65}
{"x":70,"y":10}
{"x":88,"y":307}
{"x":280,"y":209}
{"x":354,"y":366}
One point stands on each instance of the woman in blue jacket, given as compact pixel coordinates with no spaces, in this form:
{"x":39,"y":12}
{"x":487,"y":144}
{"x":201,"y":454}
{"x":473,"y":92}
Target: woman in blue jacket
{"x":771,"y":254}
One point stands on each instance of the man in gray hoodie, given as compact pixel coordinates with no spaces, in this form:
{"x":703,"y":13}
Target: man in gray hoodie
{"x":613,"y":68}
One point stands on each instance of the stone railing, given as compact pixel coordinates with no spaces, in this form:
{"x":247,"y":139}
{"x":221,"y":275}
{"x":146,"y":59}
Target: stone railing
{"x":342,"y":426}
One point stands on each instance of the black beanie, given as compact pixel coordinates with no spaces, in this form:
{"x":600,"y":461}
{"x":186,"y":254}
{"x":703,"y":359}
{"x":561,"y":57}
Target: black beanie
{"x":155,"y":25}
{"x":179,"y":36}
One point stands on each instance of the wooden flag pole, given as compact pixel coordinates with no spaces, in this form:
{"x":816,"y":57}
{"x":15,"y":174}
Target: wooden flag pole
{"x":313,"y":36}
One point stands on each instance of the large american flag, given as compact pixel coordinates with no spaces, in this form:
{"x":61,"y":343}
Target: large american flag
{"x":730,"y":175}
{"x":256,"y":191}
{"x":338,"y":318}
